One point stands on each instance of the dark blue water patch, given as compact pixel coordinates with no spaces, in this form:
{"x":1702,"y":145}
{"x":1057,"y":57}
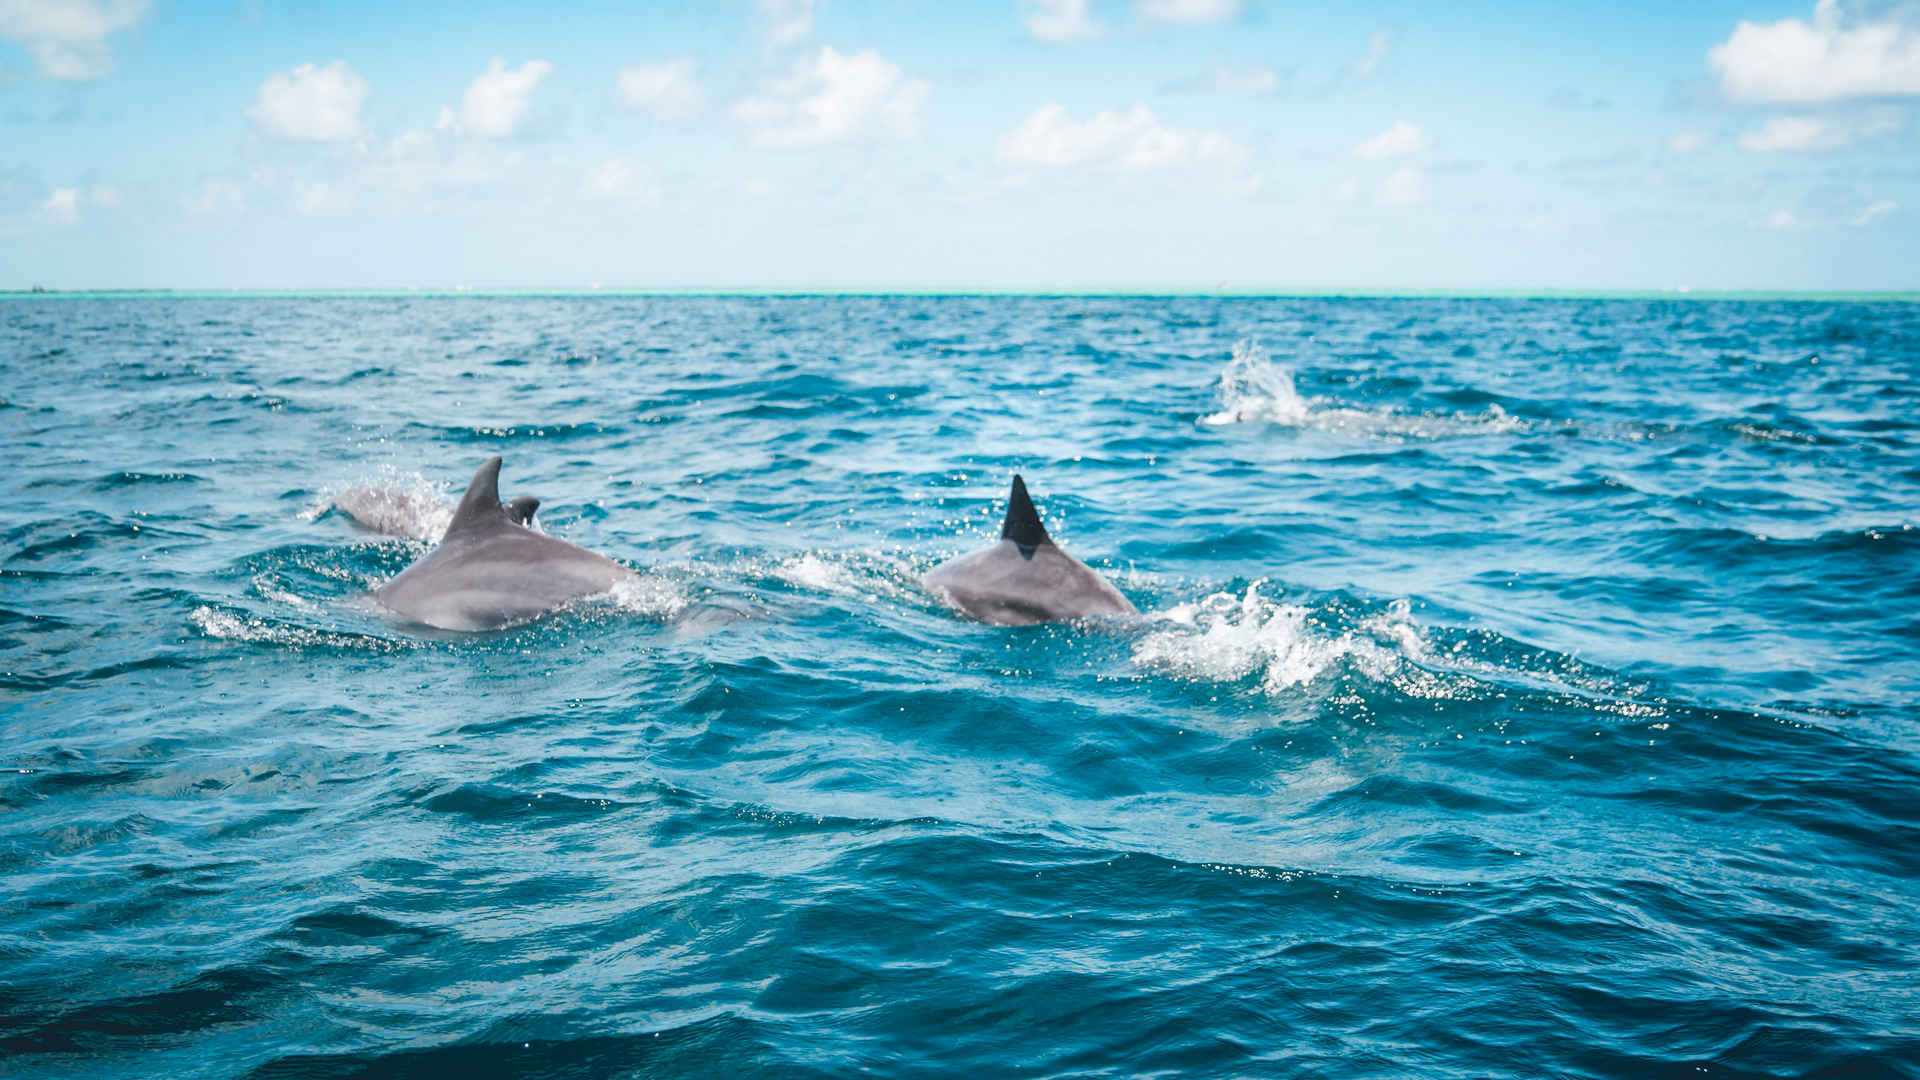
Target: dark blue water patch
{"x":1522,"y":688}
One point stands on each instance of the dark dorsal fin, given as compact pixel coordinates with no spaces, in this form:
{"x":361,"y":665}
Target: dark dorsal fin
{"x":481,"y":505}
{"x":521,"y":507}
{"x":1023,"y":521}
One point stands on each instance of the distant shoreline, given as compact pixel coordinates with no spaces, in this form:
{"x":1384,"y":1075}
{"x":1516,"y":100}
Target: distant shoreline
{"x":1881,"y":295}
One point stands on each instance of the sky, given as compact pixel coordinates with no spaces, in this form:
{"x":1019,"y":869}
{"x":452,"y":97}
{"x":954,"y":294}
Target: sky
{"x":1017,"y":144}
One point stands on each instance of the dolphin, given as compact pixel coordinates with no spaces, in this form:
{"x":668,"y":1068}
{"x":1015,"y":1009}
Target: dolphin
{"x":410,"y":514}
{"x":492,"y":569}
{"x":1025,"y":578}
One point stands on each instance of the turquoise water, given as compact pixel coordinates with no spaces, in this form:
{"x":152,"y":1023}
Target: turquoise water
{"x":1523,"y":687}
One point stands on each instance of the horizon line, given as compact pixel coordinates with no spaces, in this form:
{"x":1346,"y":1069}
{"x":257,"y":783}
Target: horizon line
{"x":1090,"y":292}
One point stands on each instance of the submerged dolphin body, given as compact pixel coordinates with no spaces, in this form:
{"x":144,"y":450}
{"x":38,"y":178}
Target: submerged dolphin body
{"x":1025,"y":578}
{"x":492,"y":570}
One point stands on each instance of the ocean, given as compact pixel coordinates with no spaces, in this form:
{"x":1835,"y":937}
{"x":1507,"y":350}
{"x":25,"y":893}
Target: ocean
{"x":1522,"y":687}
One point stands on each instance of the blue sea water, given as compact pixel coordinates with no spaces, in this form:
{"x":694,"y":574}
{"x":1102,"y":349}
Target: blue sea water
{"x":1522,"y":688}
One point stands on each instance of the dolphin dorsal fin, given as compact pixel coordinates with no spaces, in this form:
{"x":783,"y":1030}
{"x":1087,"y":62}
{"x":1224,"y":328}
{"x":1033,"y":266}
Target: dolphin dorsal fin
{"x":521,"y":507}
{"x":481,"y":505}
{"x":1023,"y":521}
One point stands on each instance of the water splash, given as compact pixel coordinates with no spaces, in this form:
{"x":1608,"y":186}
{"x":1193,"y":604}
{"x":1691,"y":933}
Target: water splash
{"x":1226,"y":637}
{"x":811,"y":571}
{"x":650,"y":595}
{"x":1253,"y":388}
{"x":394,"y":504}
{"x":862,"y":576}
{"x":224,"y":625}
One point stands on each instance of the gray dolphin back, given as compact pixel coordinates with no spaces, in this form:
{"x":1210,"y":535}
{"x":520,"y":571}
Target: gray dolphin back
{"x":1025,"y":578}
{"x":490,"y":570}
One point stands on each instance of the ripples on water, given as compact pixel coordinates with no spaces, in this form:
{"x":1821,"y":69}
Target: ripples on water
{"x":1525,"y":688}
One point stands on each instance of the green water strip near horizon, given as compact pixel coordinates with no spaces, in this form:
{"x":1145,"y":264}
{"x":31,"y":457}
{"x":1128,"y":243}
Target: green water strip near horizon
{"x":1330,"y":293}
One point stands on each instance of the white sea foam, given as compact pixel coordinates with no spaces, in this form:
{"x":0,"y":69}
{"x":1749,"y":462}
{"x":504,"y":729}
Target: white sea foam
{"x":861,"y":576}
{"x":1225,"y":637}
{"x":810,"y":571}
{"x":231,"y":626}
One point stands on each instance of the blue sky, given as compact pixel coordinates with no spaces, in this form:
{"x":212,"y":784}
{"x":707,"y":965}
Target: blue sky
{"x":1056,"y":144}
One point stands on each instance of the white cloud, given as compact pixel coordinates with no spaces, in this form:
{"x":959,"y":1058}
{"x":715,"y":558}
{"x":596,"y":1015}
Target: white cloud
{"x":1827,"y":59}
{"x":1133,"y":141}
{"x":786,"y":22}
{"x":498,"y":101}
{"x":832,"y":98}
{"x":1791,"y":133}
{"x":1189,"y":11}
{"x":68,"y":38}
{"x":1782,"y":219}
{"x":317,"y":104}
{"x":1399,"y":140}
{"x":1376,"y":52}
{"x":617,"y":180}
{"x":667,"y":90}
{"x":1405,"y":186}
{"x":1346,"y":191}
{"x":62,"y":207}
{"x":1060,"y":20}
{"x":1685,"y":142}
{"x":1879,"y":209}
{"x":1246,"y":81}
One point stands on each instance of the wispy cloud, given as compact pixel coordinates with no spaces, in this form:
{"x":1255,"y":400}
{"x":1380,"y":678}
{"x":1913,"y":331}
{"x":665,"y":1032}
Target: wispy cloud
{"x":1686,"y":142}
{"x":1188,"y":11}
{"x":1369,"y":63}
{"x":669,"y":90}
{"x":62,"y":207}
{"x":1403,"y":187}
{"x":784,"y":23}
{"x":1871,"y":213}
{"x":1060,"y":20}
{"x":1399,"y":140}
{"x":1802,"y":133}
{"x":1133,"y":141}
